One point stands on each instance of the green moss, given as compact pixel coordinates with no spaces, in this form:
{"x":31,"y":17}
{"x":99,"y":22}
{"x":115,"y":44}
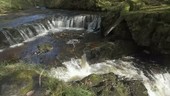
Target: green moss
{"x":12,"y":5}
{"x":73,"y":4}
{"x":43,"y":48}
{"x":150,"y":27}
{"x":122,"y":90}
{"x":22,"y":80}
{"x":51,"y":83}
{"x":109,"y":84}
{"x":109,"y":50}
{"x":59,"y":88}
{"x":137,"y":88}
{"x":76,"y":91}
{"x":18,"y":78}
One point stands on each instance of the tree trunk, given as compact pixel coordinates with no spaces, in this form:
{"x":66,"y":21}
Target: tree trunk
{"x":113,"y":26}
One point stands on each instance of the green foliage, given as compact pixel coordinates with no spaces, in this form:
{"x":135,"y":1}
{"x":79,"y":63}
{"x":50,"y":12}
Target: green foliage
{"x":21,"y":78}
{"x":105,"y":4}
{"x":72,"y":4}
{"x":101,"y":4}
{"x":4,"y":5}
{"x":77,"y":91}
{"x":119,"y":4}
{"x":8,"y":5}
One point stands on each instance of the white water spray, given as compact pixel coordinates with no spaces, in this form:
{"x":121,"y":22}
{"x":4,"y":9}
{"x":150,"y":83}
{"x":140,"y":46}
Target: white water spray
{"x":77,"y":69}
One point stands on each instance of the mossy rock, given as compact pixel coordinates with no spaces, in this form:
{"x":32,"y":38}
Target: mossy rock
{"x":150,"y":28}
{"x":18,"y":83}
{"x":100,"y":51}
{"x":44,"y":48}
{"x":137,"y":88}
{"x":21,"y":79}
{"x":111,"y":85}
{"x":59,"y":88}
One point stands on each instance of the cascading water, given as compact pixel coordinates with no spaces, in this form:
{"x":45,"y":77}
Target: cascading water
{"x":157,"y":84}
{"x":52,"y":24}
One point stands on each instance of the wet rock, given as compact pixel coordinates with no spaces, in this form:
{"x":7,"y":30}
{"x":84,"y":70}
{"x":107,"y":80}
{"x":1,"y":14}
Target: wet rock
{"x":21,"y":79}
{"x":150,"y":28}
{"x":120,"y":32}
{"x":137,"y":88}
{"x":73,"y":43}
{"x":18,"y":83}
{"x":100,"y":51}
{"x":111,"y":85}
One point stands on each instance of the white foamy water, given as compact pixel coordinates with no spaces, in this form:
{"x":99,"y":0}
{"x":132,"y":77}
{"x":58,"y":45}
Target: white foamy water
{"x":77,"y":69}
{"x":28,"y":32}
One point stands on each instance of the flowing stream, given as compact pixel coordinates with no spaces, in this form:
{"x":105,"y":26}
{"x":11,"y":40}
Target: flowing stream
{"x":55,"y":23}
{"x":157,"y":84}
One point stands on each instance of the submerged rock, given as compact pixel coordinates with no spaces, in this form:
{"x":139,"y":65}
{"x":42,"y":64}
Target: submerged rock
{"x":43,"y":48}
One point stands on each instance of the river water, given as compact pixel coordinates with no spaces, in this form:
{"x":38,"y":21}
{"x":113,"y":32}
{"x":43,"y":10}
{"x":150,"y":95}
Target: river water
{"x":68,"y":31}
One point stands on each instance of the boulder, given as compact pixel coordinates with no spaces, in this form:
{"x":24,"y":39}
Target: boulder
{"x":17,"y":83}
{"x":100,"y":51}
{"x":150,"y":28}
{"x":111,"y":85}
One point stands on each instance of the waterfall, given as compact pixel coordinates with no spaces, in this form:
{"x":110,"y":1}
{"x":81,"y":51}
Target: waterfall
{"x":9,"y":37}
{"x":55,"y":23}
{"x":76,"y":69}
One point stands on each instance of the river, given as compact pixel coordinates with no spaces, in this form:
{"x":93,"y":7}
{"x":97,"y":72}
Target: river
{"x":65,"y":36}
